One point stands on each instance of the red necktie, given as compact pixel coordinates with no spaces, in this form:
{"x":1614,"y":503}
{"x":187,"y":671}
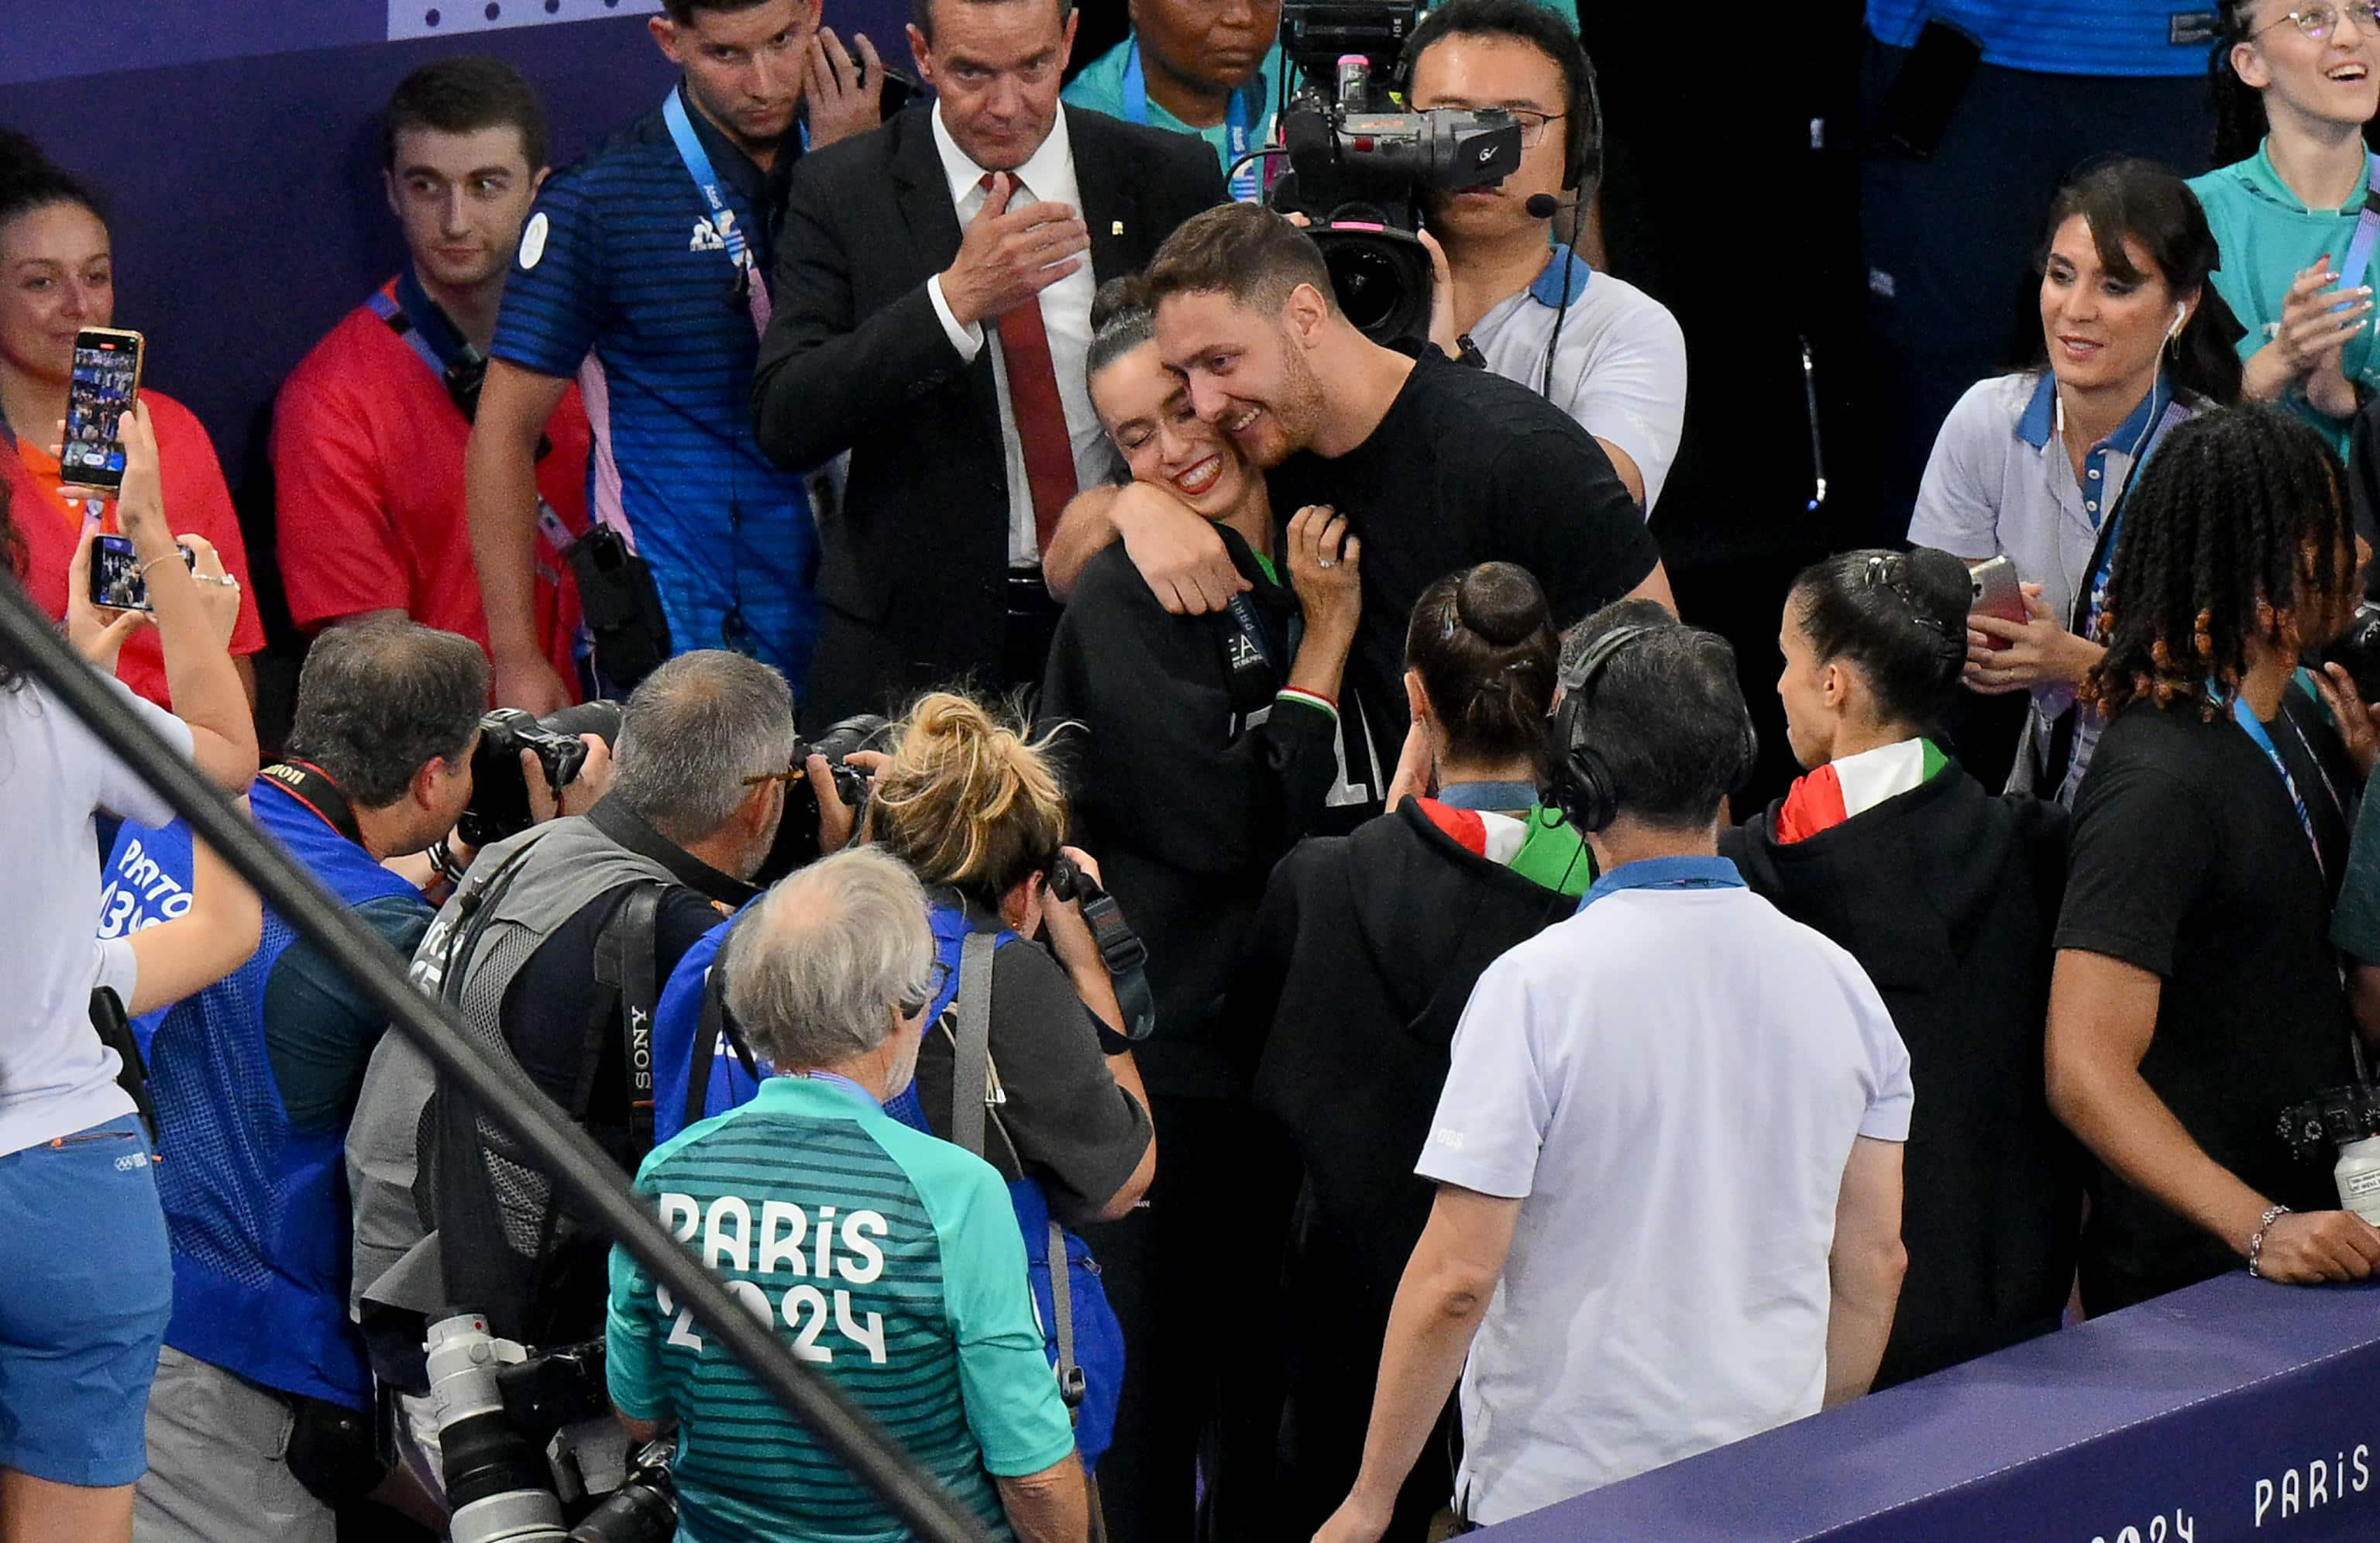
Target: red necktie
{"x":1040,"y":416}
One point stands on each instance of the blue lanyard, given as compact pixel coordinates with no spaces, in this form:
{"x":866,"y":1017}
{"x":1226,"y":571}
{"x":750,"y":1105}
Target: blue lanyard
{"x":2367,"y":228}
{"x":723,"y":215}
{"x":2095,"y":598}
{"x":1245,"y":187}
{"x":1489,"y":795}
{"x":1665,"y":873}
{"x":2255,"y":730}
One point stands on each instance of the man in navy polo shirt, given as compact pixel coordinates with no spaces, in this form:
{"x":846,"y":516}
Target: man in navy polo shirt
{"x":643,"y":273}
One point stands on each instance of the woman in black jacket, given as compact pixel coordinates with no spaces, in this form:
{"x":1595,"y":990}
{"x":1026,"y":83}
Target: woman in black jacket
{"x":1367,"y":948}
{"x":1203,"y":747}
{"x":1946,"y":897}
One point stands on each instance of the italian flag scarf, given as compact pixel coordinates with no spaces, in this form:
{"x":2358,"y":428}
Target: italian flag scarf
{"x":1854,"y":785}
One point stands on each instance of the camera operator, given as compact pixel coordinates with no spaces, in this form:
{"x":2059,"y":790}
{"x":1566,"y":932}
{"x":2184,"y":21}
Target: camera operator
{"x":85,"y":1280}
{"x":1624,"y":1296}
{"x":261,"y":1425}
{"x":832,"y":977}
{"x":553,"y":951}
{"x":1597,"y":347}
{"x":1437,"y":466}
{"x":2196,"y":995}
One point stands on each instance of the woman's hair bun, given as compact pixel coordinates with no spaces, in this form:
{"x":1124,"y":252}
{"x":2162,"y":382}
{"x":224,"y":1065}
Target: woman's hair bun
{"x":1117,"y":298}
{"x":1501,"y":602}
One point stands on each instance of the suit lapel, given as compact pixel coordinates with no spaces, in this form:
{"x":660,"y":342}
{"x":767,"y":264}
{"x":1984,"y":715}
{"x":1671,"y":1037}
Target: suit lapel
{"x":1110,"y":208}
{"x":925,"y":191}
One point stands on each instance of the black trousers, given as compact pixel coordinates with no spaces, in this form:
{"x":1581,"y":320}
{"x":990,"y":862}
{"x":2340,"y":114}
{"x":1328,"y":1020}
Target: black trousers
{"x":1194,"y":1276}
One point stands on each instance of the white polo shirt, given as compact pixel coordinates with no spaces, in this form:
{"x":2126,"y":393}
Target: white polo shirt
{"x":1619,"y":367}
{"x":1670,"y":1082}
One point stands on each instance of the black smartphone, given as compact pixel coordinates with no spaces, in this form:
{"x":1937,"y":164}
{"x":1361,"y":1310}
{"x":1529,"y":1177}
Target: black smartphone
{"x":100,"y":392}
{"x":1918,"y":104}
{"x":897,"y":91}
{"x":115,"y":582}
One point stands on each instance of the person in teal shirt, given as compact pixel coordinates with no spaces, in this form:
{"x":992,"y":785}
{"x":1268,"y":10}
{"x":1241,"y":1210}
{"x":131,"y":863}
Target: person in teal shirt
{"x":1209,"y":68}
{"x":890,"y":1260}
{"x":2296,"y":270}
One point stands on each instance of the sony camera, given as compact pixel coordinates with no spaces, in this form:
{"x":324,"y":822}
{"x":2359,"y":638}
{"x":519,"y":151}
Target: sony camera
{"x":499,"y":806}
{"x":498,"y":1406}
{"x":797,"y":832}
{"x":1358,"y":168}
{"x":2334,"y":1118}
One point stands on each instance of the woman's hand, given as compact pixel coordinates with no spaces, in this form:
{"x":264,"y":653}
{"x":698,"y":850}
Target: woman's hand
{"x":838,"y":821}
{"x":2313,"y":330}
{"x":2041,"y":653}
{"x":96,"y":632}
{"x":1325,"y":569}
{"x":2358,"y":721}
{"x":1070,"y":935}
{"x":2303,"y":1248}
{"x":218,"y":590}
{"x":1357,"y":1520}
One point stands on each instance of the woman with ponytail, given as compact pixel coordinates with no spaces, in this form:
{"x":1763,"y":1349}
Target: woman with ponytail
{"x":2032,"y":466}
{"x":1945,"y":896}
{"x":2295,"y":83}
{"x":1367,"y":948}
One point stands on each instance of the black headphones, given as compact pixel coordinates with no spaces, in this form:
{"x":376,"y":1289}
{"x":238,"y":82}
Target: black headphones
{"x":1582,"y":146}
{"x":1580,"y":783}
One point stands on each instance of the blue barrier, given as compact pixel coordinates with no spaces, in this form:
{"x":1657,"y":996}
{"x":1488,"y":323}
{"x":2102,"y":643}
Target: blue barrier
{"x":2236,"y":1409}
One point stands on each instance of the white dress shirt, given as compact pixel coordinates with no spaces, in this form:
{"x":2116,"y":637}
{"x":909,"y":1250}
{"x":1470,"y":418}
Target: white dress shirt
{"x":1048,"y":176}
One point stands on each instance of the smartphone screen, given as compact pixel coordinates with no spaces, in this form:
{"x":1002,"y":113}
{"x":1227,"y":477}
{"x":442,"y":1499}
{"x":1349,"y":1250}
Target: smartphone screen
{"x":115,"y":582}
{"x":106,"y":377}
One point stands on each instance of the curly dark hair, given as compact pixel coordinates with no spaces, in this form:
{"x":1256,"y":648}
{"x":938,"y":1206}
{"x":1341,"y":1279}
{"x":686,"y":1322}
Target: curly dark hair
{"x":2238,"y":505}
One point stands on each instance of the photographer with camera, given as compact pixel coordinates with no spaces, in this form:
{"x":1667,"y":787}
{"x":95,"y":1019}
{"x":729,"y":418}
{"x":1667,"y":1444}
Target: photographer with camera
{"x":553,"y":950}
{"x":2196,"y":993}
{"x":368,"y":431}
{"x":262,"y":1425}
{"x":832,"y":975}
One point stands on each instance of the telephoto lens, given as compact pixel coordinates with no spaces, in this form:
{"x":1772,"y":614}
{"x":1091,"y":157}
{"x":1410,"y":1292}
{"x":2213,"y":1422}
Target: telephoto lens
{"x":499,"y":1486}
{"x":644,"y":1509}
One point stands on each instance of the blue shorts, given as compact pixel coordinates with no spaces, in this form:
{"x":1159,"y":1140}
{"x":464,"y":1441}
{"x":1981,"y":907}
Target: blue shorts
{"x":86,"y":1286}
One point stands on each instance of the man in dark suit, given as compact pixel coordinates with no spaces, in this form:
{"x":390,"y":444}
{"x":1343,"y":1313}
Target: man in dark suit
{"x":932,"y":312}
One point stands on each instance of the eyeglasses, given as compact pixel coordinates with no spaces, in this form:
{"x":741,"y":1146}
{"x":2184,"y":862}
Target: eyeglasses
{"x":911,"y":1006}
{"x":2318,"y":22}
{"x":1532,"y":124}
{"x":789,"y":776}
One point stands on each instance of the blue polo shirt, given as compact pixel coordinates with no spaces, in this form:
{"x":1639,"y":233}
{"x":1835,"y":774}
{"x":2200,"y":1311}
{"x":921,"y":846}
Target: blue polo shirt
{"x":2104,"y":37}
{"x":621,"y":267}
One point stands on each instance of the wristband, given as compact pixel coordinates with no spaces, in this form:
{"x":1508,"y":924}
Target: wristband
{"x":2257,"y":1244}
{"x":442,"y":859}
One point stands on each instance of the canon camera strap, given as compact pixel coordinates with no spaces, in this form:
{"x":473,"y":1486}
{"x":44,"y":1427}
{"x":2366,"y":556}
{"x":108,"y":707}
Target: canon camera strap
{"x":313,"y":786}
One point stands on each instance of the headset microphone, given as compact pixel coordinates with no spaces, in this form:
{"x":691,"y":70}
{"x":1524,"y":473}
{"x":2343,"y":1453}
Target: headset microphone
{"x":1542,"y":206}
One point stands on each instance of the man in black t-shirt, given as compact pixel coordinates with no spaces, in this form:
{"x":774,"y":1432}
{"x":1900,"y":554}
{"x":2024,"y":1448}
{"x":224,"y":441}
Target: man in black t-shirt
{"x":2196,"y":995}
{"x":1437,"y":465}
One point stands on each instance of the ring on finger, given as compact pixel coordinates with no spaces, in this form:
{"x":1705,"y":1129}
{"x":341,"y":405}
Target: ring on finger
{"x":1326,"y":562}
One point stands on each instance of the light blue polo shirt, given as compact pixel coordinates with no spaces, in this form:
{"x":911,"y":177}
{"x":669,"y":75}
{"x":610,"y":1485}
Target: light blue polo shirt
{"x":2266,"y":235}
{"x":1105,"y":86}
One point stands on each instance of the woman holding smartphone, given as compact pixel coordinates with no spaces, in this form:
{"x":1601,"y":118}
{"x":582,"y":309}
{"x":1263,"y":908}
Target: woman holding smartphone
{"x":2294,"y":86}
{"x":85,"y":1281}
{"x":57,"y":278}
{"x":2032,"y":466}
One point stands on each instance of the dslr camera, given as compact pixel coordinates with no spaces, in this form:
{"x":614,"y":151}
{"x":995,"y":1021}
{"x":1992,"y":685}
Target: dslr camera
{"x":2358,"y":648}
{"x":797,"y":832}
{"x":499,"y":806}
{"x":1358,"y":168}
{"x":498,"y":1405}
